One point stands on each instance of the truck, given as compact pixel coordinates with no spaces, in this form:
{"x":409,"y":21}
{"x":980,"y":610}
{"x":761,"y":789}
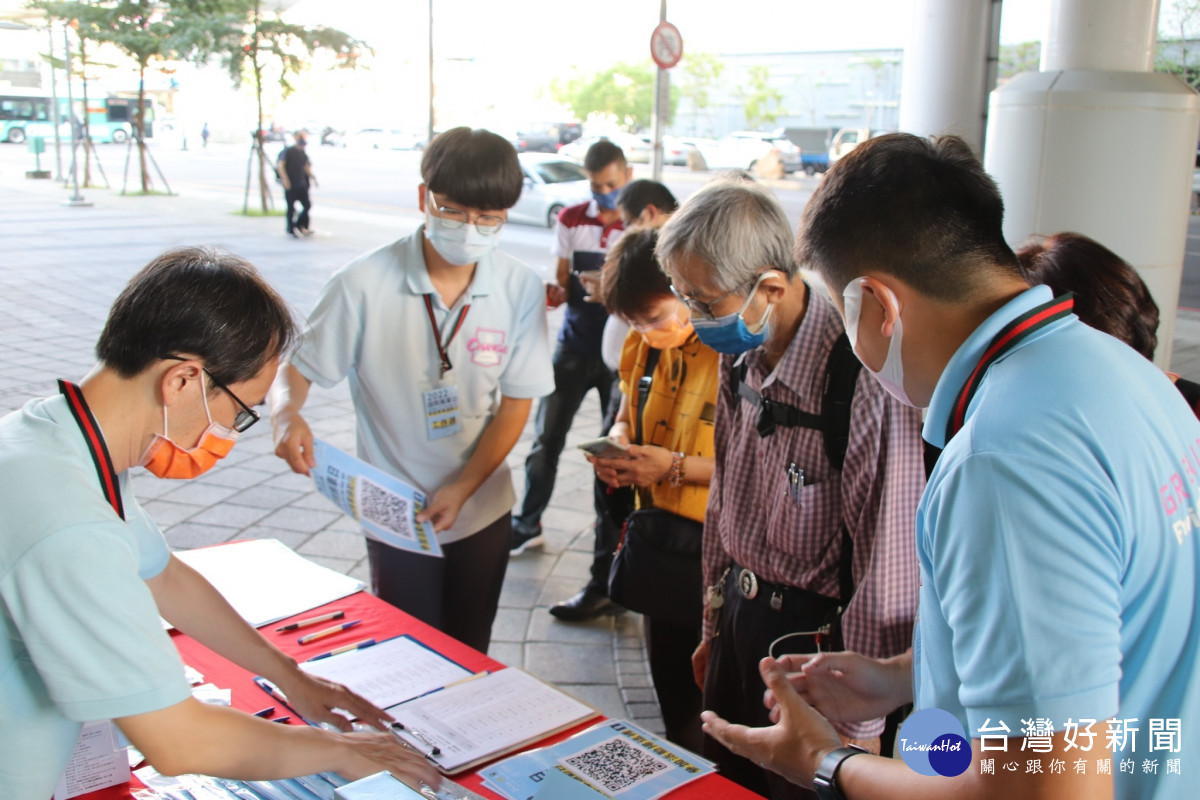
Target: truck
{"x":814,"y":146}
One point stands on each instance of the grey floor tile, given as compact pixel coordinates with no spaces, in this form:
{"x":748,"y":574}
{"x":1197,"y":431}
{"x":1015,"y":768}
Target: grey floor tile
{"x":570,"y":663}
{"x":304,"y":520}
{"x":351,"y":546}
{"x":187,"y":535}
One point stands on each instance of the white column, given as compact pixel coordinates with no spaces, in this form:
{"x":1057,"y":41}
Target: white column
{"x":945,"y":69}
{"x":1100,"y":145}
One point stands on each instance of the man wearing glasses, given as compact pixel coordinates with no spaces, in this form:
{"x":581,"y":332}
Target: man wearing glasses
{"x":438,"y":319}
{"x":790,"y":538}
{"x":190,"y":345}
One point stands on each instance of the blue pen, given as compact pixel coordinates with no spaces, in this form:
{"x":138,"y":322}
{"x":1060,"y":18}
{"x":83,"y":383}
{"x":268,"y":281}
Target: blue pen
{"x":274,"y":692}
{"x":356,"y":646}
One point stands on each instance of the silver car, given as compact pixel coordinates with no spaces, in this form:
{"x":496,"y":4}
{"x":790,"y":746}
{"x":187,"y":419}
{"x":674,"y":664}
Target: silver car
{"x":551,"y":184}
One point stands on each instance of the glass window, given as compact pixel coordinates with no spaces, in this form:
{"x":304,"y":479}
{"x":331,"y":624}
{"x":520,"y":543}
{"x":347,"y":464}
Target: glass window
{"x":560,"y":172}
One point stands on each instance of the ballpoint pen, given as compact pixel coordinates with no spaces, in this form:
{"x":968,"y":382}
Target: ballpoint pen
{"x":304,"y":623}
{"x":321,"y":634}
{"x":266,"y":712}
{"x":338,"y":651}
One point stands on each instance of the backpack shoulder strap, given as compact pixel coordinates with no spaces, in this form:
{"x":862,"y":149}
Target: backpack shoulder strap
{"x":841,"y":377}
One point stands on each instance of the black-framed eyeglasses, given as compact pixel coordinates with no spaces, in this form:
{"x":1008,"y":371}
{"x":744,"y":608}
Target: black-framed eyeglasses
{"x":246,"y":416}
{"x":702,"y":308}
{"x":455,"y":218}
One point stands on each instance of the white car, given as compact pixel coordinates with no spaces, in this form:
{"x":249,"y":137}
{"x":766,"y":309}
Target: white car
{"x":382,"y":139}
{"x":551,"y":184}
{"x":743,"y":149}
{"x":637,"y":149}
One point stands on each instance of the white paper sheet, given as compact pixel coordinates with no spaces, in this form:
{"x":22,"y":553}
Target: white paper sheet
{"x":390,"y":672}
{"x":95,"y":762}
{"x":266,"y":581}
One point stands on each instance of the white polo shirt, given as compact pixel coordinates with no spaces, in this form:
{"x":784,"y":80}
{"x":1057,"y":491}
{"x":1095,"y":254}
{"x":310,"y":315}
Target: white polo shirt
{"x":371,"y":324}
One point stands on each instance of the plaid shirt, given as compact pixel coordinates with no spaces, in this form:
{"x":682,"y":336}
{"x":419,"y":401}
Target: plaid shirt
{"x":753,"y":520}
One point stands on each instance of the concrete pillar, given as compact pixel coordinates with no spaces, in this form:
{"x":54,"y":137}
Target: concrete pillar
{"x":945,"y":69}
{"x":1100,"y":145}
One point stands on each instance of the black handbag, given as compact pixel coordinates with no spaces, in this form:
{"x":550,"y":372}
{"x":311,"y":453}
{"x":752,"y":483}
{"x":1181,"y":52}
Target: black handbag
{"x":656,"y":569}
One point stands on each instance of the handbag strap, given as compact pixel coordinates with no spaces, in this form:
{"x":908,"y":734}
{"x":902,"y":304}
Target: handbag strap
{"x":643,"y":390}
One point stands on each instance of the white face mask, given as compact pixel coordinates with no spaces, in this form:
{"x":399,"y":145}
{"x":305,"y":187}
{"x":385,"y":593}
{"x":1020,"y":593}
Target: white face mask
{"x":891,"y":376}
{"x":459,"y":246}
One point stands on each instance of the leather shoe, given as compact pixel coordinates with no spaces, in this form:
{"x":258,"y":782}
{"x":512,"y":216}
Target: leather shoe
{"x":588,"y":604}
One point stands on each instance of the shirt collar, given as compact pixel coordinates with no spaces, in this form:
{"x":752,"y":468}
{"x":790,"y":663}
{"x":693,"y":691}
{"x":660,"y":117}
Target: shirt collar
{"x":416,"y":276}
{"x":967,"y":357}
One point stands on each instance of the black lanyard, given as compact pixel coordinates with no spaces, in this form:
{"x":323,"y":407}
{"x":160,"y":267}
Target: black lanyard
{"x":1009,"y":337}
{"x":96,"y":445}
{"x":437,"y":336}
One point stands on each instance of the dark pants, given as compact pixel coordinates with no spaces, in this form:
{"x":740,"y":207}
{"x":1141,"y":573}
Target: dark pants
{"x":670,"y":647}
{"x":458,"y":593}
{"x":291,"y":197}
{"x":733,"y":686}
{"x":574,"y":375}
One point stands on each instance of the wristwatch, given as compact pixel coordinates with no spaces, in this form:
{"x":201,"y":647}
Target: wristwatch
{"x":825,"y":781}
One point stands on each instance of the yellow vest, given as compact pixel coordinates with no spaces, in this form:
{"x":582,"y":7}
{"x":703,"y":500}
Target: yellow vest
{"x":679,"y":414}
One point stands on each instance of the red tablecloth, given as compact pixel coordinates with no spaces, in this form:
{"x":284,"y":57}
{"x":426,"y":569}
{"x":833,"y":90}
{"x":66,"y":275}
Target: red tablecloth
{"x":379,"y":621}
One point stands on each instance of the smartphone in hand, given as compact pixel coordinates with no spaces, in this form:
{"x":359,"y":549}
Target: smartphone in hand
{"x":605,"y":447}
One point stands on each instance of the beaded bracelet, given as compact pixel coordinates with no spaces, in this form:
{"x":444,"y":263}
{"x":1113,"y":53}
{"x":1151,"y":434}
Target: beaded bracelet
{"x":675,"y":476}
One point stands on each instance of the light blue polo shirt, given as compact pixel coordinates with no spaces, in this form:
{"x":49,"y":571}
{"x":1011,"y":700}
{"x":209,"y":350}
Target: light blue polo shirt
{"x":371,"y":324}
{"x":80,"y":637}
{"x":1058,"y":552}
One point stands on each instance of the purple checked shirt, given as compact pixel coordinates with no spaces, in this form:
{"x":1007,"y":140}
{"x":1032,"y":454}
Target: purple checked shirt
{"x":753,"y":519}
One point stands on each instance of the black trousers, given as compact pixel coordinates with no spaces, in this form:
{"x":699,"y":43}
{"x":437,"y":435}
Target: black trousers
{"x":733,"y":686}
{"x":291,"y":197}
{"x":606,"y":529}
{"x":670,"y":647}
{"x":458,"y":593}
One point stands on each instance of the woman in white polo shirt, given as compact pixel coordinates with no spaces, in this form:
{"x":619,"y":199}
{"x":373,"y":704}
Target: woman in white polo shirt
{"x":436,"y":314}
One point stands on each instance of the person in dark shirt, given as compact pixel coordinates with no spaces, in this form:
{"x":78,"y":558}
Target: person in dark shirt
{"x":295,"y":173}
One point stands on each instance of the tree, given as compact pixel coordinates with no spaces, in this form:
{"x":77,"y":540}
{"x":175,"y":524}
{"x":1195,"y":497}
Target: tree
{"x":1018,"y":58}
{"x":146,"y":31}
{"x":762,"y":102}
{"x":624,"y":92}
{"x":258,"y":47}
{"x":1177,"y":51}
{"x":700,"y":75}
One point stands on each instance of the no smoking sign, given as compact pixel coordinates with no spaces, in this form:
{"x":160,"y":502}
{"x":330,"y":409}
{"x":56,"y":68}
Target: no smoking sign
{"x":666,"y":45}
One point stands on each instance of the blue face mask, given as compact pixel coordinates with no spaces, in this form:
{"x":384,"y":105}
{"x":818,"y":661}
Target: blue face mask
{"x":730,"y":333}
{"x":608,"y":201}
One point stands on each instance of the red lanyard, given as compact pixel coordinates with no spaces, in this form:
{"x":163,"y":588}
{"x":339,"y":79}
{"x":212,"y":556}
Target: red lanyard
{"x":1009,"y":337}
{"x":96,"y":446}
{"x":437,"y":337}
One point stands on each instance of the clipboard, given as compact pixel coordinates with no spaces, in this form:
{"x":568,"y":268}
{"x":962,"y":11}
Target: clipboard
{"x":472,"y":722}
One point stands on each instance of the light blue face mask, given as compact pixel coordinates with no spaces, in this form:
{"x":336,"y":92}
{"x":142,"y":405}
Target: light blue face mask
{"x":606,"y":201}
{"x":730,"y":333}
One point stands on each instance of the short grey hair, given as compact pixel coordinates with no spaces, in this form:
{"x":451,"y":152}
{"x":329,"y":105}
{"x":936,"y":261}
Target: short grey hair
{"x":736,"y":227}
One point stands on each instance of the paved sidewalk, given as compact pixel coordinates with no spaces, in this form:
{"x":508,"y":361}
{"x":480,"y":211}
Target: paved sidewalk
{"x":61,"y":268}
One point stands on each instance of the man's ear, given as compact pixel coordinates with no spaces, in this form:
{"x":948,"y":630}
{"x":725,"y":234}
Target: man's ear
{"x":421,"y":197}
{"x":776,"y":284}
{"x":877,"y":292}
{"x":174,"y":383}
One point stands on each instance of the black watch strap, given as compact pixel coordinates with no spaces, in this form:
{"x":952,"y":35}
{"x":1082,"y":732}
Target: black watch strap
{"x":825,"y":781}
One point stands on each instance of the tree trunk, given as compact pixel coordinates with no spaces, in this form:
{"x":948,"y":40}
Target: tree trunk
{"x":264,"y":188}
{"x":87,"y":132}
{"x":140,"y":127}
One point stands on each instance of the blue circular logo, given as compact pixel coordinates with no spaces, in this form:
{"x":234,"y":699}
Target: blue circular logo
{"x":932,"y":742}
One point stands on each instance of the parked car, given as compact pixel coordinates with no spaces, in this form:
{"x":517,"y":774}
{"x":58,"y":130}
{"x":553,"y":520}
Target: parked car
{"x":743,"y":149}
{"x":551,"y":184}
{"x":814,"y":146}
{"x":637,"y":149}
{"x":382,"y":139}
{"x":546,"y":137}
{"x":847,"y":139}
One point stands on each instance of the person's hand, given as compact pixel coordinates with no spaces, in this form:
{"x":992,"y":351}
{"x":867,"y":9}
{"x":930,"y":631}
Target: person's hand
{"x":443,"y":508}
{"x":700,"y":661}
{"x":368,"y":753}
{"x":294,"y":443}
{"x":590,"y":280}
{"x":318,"y":700}
{"x":645,"y":465}
{"x":794,"y":746}
{"x":555,"y":295}
{"x":844,"y":687}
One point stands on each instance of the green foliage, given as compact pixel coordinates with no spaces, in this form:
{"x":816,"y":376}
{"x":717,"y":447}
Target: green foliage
{"x":699,"y":74}
{"x":624,"y":92}
{"x":1177,"y":54}
{"x":1018,"y":58}
{"x":762,"y":102}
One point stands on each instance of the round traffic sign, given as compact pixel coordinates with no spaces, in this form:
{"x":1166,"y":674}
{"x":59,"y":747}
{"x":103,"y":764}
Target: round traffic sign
{"x":666,"y":45}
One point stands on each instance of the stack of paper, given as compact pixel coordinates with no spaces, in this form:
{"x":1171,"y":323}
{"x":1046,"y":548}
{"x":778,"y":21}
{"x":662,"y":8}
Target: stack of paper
{"x":613,"y":759}
{"x":389,"y":672}
{"x":266,"y":581}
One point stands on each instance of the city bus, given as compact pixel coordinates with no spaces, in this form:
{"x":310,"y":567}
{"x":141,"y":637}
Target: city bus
{"x":28,"y":113}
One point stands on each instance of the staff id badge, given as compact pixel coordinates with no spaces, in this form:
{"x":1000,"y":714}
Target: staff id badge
{"x":442,"y":415}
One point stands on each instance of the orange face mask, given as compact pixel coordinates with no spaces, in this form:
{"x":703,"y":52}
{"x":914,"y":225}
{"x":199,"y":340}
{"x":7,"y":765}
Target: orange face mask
{"x":671,"y":332}
{"x":166,"y":459}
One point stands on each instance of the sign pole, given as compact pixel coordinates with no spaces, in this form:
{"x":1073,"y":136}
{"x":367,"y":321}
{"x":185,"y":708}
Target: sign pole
{"x":666,"y":48}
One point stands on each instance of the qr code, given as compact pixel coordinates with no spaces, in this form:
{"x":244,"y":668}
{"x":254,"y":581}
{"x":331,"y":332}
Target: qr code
{"x":386,"y":509}
{"x":615,"y":765}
